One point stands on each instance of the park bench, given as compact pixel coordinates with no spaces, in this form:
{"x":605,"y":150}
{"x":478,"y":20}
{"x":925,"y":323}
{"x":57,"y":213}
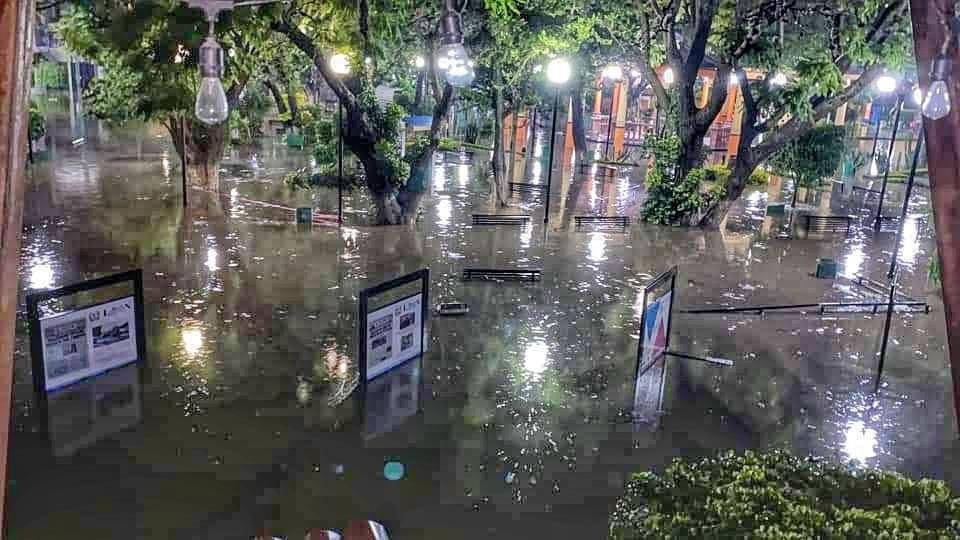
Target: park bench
{"x":501,"y":274}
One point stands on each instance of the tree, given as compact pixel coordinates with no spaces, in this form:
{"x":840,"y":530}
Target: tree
{"x":812,"y":157}
{"x":390,"y":33}
{"x":828,"y":51}
{"x":146,"y":49}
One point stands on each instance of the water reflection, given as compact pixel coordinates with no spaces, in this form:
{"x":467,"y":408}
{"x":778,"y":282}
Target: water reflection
{"x":255,"y":379}
{"x":910,"y":243}
{"x":597,"y":247}
{"x":860,"y":442}
{"x":192,"y":337}
{"x":535,"y":358}
{"x":41,"y":276}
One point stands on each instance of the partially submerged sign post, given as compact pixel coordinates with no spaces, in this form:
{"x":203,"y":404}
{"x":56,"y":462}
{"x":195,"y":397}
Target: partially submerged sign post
{"x":70,"y":345}
{"x":393,"y":333}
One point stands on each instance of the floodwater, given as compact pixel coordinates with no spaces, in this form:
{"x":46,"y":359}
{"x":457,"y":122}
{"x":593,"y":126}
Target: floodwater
{"x":519,"y":422}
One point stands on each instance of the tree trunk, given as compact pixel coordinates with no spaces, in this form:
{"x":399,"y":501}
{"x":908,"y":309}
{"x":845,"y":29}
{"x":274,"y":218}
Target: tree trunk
{"x":294,"y":107}
{"x":204,"y":152}
{"x":418,"y":97}
{"x":715,"y":216}
{"x":277,"y":98}
{"x":513,"y":147}
{"x":497,"y":162}
{"x":579,"y":128}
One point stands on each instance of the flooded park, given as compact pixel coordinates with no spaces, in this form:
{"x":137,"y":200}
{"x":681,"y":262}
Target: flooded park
{"x":247,"y":414}
{"x":451,"y":270}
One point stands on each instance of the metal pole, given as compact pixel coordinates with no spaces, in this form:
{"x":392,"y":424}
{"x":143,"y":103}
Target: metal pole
{"x":906,"y":202}
{"x":183,"y":158}
{"x":553,"y":135}
{"x":886,"y":334}
{"x":876,"y":137}
{"x":339,"y":163}
{"x":613,"y":97}
{"x":886,"y":170}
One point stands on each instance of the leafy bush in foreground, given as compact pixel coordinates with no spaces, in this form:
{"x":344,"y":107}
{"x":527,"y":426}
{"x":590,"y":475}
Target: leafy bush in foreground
{"x":779,"y":496}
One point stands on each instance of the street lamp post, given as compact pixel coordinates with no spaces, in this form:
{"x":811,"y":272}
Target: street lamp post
{"x":340,"y":64}
{"x":558,"y":73}
{"x":611,"y":73}
{"x":886,"y":85}
{"x":886,"y":170}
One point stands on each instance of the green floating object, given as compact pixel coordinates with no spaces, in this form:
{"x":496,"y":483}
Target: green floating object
{"x":826,"y":268}
{"x":393,"y":470}
{"x":776,"y":209}
{"x":304,"y":216}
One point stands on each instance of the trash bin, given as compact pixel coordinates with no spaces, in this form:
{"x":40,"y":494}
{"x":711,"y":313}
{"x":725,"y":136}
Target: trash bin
{"x":304,"y":216}
{"x":826,"y":269}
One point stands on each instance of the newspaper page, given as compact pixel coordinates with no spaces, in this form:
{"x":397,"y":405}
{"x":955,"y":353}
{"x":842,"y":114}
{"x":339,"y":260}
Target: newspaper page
{"x":88,"y":341}
{"x":394,"y":335}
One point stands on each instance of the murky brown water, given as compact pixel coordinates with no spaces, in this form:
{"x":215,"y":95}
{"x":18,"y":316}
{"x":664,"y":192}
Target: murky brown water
{"x":523,"y":427}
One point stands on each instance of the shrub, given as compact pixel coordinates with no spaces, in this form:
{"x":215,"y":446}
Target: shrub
{"x":38,"y":124}
{"x":759,"y":177}
{"x":718,"y":174}
{"x":777,"y":495}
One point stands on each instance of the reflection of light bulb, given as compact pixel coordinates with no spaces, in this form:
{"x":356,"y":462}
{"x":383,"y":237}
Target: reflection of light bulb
{"x":443,"y":63}
{"x":538,"y":68}
{"x":874,"y":167}
{"x":936,"y":104}
{"x":535,"y":358}
{"x":668,"y":76}
{"x":917,"y":95}
{"x":192,"y":340}
{"x":733,"y":80}
{"x":211,"y":107}
{"x":778,"y":80}
{"x":419,"y":62}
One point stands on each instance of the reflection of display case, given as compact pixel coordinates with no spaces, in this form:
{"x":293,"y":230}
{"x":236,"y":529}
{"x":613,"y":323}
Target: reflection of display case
{"x":391,"y":399}
{"x":94,"y":409}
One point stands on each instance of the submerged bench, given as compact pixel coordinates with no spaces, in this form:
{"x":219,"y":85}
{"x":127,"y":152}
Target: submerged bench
{"x":500,"y":219}
{"x":501,"y":274}
{"x":526,"y":187}
{"x":602,"y":221}
{"x":828,"y":223}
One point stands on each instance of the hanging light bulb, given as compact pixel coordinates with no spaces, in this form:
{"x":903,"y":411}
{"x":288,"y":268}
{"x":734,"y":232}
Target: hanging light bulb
{"x":779,"y":79}
{"x":211,"y":106}
{"x":452,"y":57}
{"x":917,"y":96}
{"x":936,"y":104}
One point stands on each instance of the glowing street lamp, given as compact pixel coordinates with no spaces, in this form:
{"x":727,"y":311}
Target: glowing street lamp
{"x":668,"y":77}
{"x":558,"y":73}
{"x":886,"y":84}
{"x":340,"y":65}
